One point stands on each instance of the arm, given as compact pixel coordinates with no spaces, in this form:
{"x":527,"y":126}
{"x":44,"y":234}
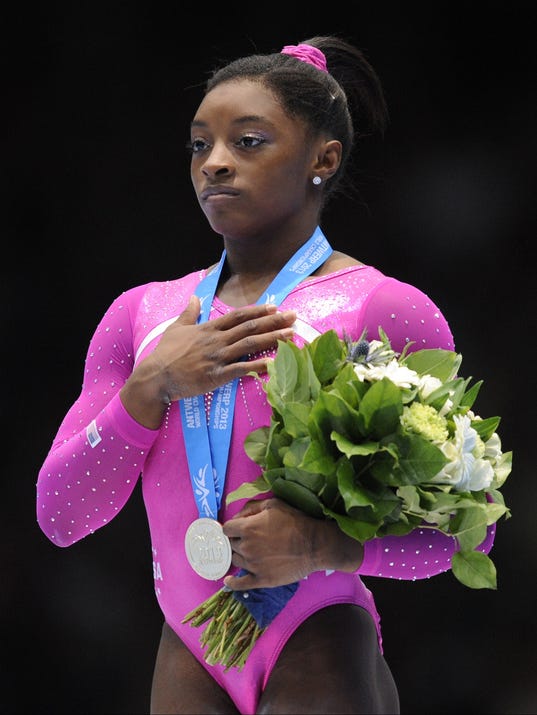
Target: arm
{"x":407,"y":314}
{"x":420,"y":554}
{"x":104,"y":439}
{"x":99,"y":450}
{"x":278,"y":544}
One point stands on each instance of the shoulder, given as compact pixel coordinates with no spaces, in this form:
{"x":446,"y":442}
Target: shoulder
{"x":153,"y":301}
{"x":336,"y":262}
{"x":161,"y":289}
{"x":407,"y":314}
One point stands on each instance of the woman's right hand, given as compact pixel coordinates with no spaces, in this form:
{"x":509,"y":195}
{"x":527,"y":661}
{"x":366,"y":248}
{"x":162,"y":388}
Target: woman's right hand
{"x":191,"y":359}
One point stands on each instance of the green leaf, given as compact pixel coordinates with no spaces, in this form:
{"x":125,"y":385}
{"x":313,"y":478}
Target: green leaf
{"x":494,"y":512}
{"x":474,"y":569}
{"x":272,"y":474}
{"x":307,"y":384}
{"x":399,"y":528}
{"x":498,"y":500}
{"x":316,"y":459}
{"x":279,"y":442}
{"x":295,"y":416}
{"x":439,"y":363}
{"x":362,"y":531}
{"x":310,"y":480}
{"x":283,"y":374}
{"x":502,"y":469}
{"x":383,"y":465}
{"x":486,"y":428}
{"x":410,"y":498}
{"x":459,"y":387}
{"x":330,"y":413}
{"x":380,"y":409}
{"x":353,"y":493}
{"x":438,"y":397}
{"x":298,"y":496}
{"x":471,"y":395}
{"x":349,"y":448}
{"x":387,"y":505}
{"x":438,"y":497}
{"x":347,"y":386}
{"x":469,"y":525}
{"x":249,"y":490}
{"x":256,"y":443}
{"x":327,"y":353}
{"x":418,"y":461}
{"x":294,"y":453}
{"x":330,"y":494}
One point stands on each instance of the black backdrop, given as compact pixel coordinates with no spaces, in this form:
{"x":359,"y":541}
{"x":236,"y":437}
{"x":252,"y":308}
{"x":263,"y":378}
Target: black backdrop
{"x":97,"y":102}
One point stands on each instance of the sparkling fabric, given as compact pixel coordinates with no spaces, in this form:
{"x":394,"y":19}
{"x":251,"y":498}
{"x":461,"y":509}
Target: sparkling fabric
{"x":100,"y":453}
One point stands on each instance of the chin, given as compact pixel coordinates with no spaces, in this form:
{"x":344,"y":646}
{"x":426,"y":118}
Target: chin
{"x":230,"y":229}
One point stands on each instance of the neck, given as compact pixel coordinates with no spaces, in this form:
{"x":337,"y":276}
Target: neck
{"x":253,"y":263}
{"x":266,"y":253}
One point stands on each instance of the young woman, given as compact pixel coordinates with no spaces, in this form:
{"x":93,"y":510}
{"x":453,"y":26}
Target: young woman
{"x":270,"y":143}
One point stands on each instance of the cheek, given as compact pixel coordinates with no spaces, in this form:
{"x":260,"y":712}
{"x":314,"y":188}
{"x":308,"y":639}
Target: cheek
{"x":289,"y":188}
{"x":284,"y":179}
{"x":195,"y":177}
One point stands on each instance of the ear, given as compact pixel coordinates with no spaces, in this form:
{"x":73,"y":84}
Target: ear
{"x":328,"y":159}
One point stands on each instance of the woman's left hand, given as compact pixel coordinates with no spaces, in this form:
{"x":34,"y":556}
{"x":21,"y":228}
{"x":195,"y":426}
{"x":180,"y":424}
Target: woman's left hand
{"x":278,"y":544}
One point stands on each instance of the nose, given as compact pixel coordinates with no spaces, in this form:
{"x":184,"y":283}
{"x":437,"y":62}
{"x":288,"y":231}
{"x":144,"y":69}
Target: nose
{"x":218,"y":162}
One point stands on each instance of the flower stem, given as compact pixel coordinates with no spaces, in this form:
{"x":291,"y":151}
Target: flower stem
{"x":231,"y":632}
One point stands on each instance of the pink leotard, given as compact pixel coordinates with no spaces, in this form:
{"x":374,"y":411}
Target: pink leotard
{"x":100,"y":452}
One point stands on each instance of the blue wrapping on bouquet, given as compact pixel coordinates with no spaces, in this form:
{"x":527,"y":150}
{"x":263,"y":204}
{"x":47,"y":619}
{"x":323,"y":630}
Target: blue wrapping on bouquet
{"x":264,"y":604}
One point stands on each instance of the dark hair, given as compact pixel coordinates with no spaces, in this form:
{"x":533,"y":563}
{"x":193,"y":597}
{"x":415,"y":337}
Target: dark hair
{"x":345,"y":103}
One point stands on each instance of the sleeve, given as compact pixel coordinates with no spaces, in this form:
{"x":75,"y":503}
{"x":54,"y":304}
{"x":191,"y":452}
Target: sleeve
{"x":407,"y":315}
{"x":421,"y":554}
{"x":99,"y":450}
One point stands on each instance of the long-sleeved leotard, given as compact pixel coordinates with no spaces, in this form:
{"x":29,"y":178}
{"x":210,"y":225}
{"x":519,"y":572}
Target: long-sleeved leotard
{"x":100,"y":452}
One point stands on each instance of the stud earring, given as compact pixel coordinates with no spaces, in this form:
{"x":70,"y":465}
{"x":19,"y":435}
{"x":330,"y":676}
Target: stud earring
{"x":316,"y":180}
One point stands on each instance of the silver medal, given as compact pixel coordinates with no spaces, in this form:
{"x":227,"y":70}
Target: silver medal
{"x":208,"y":549}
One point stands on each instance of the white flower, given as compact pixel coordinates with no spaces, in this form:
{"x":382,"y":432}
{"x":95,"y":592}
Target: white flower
{"x":375,"y":345}
{"x":378,"y":352}
{"x":400,"y":375}
{"x":362,"y":371}
{"x":493,"y":448}
{"x":446,"y":407}
{"x":429,"y":384}
{"x":464,"y":470}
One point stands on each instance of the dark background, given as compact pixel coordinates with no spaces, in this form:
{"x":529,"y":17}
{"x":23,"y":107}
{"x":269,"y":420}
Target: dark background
{"x":98,"y":102}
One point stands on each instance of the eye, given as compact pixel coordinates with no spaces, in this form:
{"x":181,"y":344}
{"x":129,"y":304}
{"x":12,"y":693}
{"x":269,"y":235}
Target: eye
{"x":249,"y":142}
{"x":196,"y":145}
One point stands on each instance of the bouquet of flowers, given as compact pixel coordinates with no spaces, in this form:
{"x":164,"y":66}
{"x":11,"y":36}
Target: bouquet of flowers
{"x":380,"y":442}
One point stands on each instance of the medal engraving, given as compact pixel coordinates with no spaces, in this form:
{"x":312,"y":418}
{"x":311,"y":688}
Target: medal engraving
{"x":208,"y":549}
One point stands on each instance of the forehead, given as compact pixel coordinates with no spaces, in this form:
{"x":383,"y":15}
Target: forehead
{"x":230,"y":101}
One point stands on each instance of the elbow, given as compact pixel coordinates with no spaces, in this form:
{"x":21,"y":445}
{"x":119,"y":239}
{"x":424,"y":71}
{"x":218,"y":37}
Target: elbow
{"x":53,"y":517}
{"x":55,"y":533}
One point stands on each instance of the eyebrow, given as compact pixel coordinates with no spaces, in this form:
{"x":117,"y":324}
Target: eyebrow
{"x":240,"y":120}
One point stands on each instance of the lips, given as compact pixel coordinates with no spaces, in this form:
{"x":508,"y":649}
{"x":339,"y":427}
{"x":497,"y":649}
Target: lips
{"x":212,"y":191}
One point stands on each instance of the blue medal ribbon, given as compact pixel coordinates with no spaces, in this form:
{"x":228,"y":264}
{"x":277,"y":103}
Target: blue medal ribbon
{"x":207,"y":445}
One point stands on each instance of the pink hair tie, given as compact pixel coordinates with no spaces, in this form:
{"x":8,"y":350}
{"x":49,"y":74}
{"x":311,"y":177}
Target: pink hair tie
{"x":307,"y":53}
